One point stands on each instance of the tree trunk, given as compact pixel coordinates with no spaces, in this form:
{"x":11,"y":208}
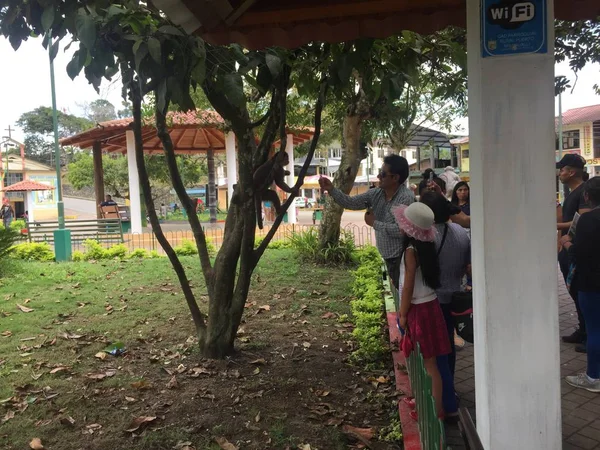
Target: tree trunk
{"x":343,"y":180}
{"x":212,"y":192}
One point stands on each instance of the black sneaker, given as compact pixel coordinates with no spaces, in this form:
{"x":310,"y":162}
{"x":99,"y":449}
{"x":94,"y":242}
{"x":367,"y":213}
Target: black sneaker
{"x":577,"y":337}
{"x":581,"y":348}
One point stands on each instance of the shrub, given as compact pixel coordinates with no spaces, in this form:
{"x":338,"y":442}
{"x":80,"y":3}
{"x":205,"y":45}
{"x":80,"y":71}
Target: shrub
{"x":8,"y":238}
{"x":308,"y":248}
{"x":118,"y":251}
{"x":281,"y":243}
{"x":78,"y":256}
{"x":18,"y":224}
{"x":33,"y":251}
{"x":367,"y":308}
{"x":93,"y":250}
{"x":188,"y":248}
{"x":154,"y":254}
{"x":139,"y":253}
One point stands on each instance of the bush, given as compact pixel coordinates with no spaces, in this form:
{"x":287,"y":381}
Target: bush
{"x":139,"y":253}
{"x":95,"y":251}
{"x":308,"y":248}
{"x":282,"y":243}
{"x":8,"y":238}
{"x":188,"y":248}
{"x":118,"y":251}
{"x":33,"y":251}
{"x":367,"y":308}
{"x":18,"y":224}
{"x":78,"y":256}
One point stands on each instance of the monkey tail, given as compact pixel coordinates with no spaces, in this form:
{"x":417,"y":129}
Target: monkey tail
{"x":258,"y":207}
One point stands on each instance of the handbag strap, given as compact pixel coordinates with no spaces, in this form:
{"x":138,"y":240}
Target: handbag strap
{"x":443,"y":239}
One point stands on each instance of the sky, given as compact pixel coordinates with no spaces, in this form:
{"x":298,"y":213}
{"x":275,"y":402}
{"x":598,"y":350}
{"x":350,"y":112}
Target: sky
{"x":25,"y":85}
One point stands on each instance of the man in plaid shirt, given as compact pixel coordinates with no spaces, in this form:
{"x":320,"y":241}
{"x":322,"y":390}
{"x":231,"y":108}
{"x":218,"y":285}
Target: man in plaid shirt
{"x":379,"y":203}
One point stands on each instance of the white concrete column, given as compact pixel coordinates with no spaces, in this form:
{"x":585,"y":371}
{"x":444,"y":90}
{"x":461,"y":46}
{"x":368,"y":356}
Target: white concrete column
{"x":511,"y":131}
{"x":28,"y":203}
{"x":135,"y":207}
{"x":289,"y":148}
{"x":231,"y":163}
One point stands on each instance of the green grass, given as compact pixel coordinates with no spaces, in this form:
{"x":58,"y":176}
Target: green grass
{"x":79,"y":308}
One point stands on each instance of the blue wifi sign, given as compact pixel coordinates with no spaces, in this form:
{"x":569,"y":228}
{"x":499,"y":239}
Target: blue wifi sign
{"x":512,"y":27}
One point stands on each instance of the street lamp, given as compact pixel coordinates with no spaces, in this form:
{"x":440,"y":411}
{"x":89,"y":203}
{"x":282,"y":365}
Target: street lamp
{"x":62,"y":236}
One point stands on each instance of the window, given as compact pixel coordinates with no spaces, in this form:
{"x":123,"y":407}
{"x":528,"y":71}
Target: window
{"x":403,"y":153}
{"x":465,"y":153}
{"x":596,"y":136}
{"x":570,"y":139}
{"x":335,"y":152}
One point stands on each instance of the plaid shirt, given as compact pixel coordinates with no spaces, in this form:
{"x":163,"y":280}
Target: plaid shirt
{"x":388,"y":236}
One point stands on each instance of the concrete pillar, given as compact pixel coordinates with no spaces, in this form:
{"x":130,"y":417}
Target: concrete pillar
{"x":211,"y":195}
{"x":231,"y":163}
{"x":135,"y":205}
{"x":28,"y":203}
{"x":98,"y":176}
{"x":289,"y":148}
{"x":511,"y":131}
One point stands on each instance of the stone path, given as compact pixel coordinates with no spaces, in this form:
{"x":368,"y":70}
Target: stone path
{"x":580,"y":408}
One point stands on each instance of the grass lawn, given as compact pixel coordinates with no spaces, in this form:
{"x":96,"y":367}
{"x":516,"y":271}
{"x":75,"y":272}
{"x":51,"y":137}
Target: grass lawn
{"x":289,"y":385}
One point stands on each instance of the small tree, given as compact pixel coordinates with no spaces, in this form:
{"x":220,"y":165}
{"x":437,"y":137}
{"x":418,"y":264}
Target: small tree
{"x":154,"y":56}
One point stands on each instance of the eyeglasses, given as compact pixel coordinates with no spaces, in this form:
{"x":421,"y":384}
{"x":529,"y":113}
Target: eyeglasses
{"x":381,"y":175}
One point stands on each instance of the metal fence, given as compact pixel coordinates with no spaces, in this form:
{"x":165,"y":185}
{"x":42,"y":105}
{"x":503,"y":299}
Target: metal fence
{"x":431,"y":428}
{"x":363,"y":235}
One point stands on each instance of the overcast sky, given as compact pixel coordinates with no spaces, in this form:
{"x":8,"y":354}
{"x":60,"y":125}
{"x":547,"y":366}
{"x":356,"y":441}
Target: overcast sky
{"x":25,"y":84}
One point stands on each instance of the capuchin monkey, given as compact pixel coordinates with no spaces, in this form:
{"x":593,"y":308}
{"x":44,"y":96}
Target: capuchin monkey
{"x":271,"y":171}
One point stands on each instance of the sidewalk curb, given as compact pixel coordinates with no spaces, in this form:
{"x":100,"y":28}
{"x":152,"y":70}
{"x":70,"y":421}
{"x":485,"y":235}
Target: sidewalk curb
{"x":410,"y":428}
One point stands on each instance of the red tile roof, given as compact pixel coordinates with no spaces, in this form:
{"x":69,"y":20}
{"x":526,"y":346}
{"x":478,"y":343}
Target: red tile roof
{"x":27,"y":185}
{"x":580,"y":115}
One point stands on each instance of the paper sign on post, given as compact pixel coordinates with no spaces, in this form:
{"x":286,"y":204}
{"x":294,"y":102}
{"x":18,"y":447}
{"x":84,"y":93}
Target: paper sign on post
{"x":511,"y":27}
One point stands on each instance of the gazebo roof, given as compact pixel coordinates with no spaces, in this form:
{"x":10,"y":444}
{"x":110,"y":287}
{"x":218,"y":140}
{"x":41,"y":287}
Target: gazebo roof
{"x":292,"y":23}
{"x":27,"y":186}
{"x":191,"y":132}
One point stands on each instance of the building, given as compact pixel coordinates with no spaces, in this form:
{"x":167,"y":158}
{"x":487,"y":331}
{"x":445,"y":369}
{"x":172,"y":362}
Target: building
{"x":581,"y":135}
{"x":15,"y":169}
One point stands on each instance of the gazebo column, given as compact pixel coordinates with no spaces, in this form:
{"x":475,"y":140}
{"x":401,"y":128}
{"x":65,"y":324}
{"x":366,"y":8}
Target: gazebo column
{"x":212,"y":191}
{"x":28,"y":205}
{"x":98,"y":176}
{"x":231,"y":164}
{"x":511,"y":133}
{"x":289,"y":148}
{"x":135,"y":205}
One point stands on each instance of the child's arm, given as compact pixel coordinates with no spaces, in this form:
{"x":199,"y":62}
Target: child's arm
{"x":408,"y":286}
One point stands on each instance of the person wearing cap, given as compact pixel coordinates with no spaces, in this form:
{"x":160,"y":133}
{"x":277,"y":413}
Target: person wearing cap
{"x":378,"y":203}
{"x":421,"y":316}
{"x":571,"y":172}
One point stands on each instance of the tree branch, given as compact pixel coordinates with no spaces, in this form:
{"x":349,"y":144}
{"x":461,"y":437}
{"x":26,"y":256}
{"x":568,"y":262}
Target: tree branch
{"x":199,"y":237}
{"x":324,"y":86}
{"x":198,"y":317}
{"x":260,"y":121}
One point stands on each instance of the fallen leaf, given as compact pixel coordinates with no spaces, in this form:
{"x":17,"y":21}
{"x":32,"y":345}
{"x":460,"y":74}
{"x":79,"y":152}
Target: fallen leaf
{"x":259,"y":361}
{"x":304,"y":447}
{"x":141,"y":385}
{"x":27,"y":300}
{"x":256,"y":371}
{"x":100,"y":355}
{"x":59,"y":369}
{"x":334,"y":422}
{"x":173,"y":384}
{"x":265,"y":308}
{"x":329,"y":315}
{"x":25,"y":309}
{"x":9,"y":415}
{"x":36,"y":444}
{"x":68,"y":421}
{"x":306,"y":344}
{"x":365,"y":433}
{"x":6,"y":333}
{"x":130,"y":399}
{"x":140,"y":422}
{"x":225,"y":444}
{"x":257,"y":418}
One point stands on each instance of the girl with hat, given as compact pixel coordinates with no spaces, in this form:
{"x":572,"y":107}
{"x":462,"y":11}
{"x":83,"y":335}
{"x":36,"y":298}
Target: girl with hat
{"x":420,"y":314}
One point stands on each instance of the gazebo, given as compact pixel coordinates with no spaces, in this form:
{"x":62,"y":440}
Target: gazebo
{"x":511,"y":131}
{"x":194,"y":132}
{"x":28,"y":187}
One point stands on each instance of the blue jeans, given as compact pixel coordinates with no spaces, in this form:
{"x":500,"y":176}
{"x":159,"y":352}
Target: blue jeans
{"x":446,"y":365}
{"x":590,"y":307}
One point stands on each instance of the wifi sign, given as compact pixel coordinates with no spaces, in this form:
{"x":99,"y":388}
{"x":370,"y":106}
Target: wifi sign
{"x":514,"y":27}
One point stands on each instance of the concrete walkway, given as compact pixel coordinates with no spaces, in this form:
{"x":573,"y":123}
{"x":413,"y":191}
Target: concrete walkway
{"x":580,"y":408}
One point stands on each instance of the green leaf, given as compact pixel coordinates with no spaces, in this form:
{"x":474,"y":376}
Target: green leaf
{"x":75,"y":65}
{"x":161,"y":95}
{"x":86,"y":30}
{"x":170,"y":29}
{"x":264,"y":79}
{"x":54,"y":50}
{"x":47,"y":18}
{"x":199,"y":71}
{"x":234,"y":89}
{"x":113,"y":10}
{"x":139,"y":54}
{"x":274,"y":64}
{"x":154,"y":49}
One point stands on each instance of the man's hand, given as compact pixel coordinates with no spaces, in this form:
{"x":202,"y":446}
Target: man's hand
{"x":325,"y":184}
{"x":564,"y":239}
{"x":369,"y":218}
{"x":433,"y":186}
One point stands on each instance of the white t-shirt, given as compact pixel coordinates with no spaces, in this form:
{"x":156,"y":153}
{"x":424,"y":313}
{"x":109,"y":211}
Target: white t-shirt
{"x":421,"y":292}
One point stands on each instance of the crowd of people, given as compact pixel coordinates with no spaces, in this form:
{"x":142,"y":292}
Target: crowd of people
{"x":423,"y":234}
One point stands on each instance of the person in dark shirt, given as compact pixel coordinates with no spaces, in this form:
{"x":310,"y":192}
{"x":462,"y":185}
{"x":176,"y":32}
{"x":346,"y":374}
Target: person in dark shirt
{"x":585,"y":249}
{"x":571,"y":173}
{"x":461,"y":196}
{"x":108,"y":201}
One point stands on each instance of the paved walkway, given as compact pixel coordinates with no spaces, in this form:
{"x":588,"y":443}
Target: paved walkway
{"x":580,"y":408}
